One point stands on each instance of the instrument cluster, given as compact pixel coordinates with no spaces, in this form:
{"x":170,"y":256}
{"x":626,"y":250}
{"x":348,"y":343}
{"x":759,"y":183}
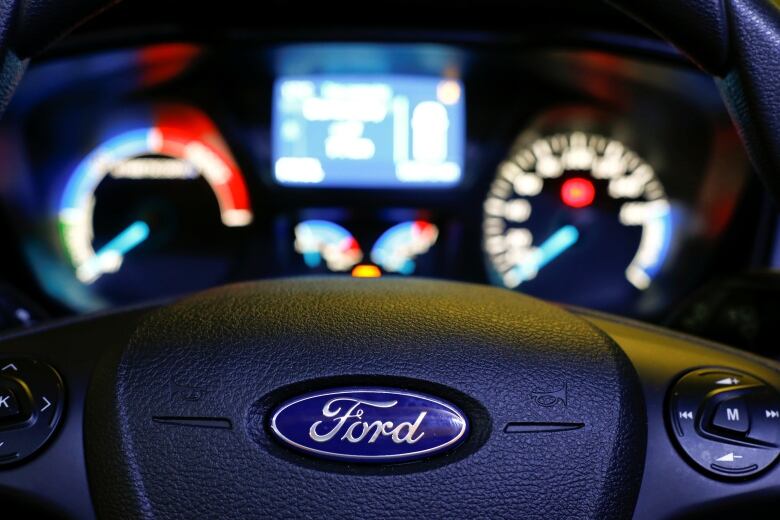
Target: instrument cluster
{"x":588,"y":178}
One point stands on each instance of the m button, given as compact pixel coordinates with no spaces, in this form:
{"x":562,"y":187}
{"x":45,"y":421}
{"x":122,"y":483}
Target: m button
{"x":732,"y":415}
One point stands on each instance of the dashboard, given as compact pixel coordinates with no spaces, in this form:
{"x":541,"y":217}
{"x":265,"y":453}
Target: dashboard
{"x":599,"y":178}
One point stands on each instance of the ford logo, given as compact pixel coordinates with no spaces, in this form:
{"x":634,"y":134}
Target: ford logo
{"x":369,"y":424}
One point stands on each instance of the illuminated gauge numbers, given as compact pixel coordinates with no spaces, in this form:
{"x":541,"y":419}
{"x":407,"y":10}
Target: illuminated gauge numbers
{"x":149,"y":212}
{"x":326,"y":244}
{"x":577,"y":218}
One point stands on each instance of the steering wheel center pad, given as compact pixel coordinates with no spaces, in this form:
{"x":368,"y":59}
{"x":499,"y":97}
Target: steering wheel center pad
{"x":227,"y":357}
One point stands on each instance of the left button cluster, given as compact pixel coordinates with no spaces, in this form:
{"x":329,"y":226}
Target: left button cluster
{"x":31,"y":406}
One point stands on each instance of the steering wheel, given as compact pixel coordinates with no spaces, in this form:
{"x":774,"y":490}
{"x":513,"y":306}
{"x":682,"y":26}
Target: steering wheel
{"x":385,"y":398}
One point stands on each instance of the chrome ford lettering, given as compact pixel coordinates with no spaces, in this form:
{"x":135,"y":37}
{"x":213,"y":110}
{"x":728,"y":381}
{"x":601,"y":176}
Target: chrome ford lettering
{"x":369,"y":424}
{"x":375,"y":429}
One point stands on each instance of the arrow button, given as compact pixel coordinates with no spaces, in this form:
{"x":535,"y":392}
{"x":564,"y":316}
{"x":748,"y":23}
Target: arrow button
{"x":9,"y":406}
{"x":764,"y":417}
{"x":36,"y":391}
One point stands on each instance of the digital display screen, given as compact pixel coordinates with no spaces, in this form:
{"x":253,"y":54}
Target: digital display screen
{"x":368,"y":131}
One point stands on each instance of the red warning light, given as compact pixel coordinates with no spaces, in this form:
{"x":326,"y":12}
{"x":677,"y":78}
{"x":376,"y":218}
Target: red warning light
{"x":578,"y":192}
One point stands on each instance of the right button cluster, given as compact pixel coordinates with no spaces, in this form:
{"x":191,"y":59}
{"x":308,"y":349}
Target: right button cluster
{"x":726,"y":421}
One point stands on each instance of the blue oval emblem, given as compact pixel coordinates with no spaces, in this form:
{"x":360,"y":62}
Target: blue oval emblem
{"x":369,"y":424}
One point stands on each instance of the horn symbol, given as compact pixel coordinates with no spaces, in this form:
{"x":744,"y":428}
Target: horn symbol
{"x":550,"y":399}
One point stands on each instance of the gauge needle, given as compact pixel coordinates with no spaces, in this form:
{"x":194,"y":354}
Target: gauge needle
{"x":109,"y":257}
{"x":127,"y":240}
{"x":548,"y":251}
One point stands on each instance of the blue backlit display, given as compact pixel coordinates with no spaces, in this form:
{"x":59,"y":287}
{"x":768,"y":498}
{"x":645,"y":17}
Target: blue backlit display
{"x":368,"y":131}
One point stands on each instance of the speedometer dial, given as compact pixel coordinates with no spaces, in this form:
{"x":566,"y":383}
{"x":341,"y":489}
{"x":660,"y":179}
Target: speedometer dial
{"x":578,"y":218}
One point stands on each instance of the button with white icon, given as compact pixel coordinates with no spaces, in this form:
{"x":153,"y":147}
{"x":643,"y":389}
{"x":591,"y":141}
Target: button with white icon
{"x":732,"y":415}
{"x":726,"y":422}
{"x":31,"y":406}
{"x":9,"y":405}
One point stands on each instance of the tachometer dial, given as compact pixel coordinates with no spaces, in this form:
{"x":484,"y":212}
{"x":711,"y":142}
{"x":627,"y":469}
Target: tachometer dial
{"x":155,"y":210}
{"x":578,"y":218}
